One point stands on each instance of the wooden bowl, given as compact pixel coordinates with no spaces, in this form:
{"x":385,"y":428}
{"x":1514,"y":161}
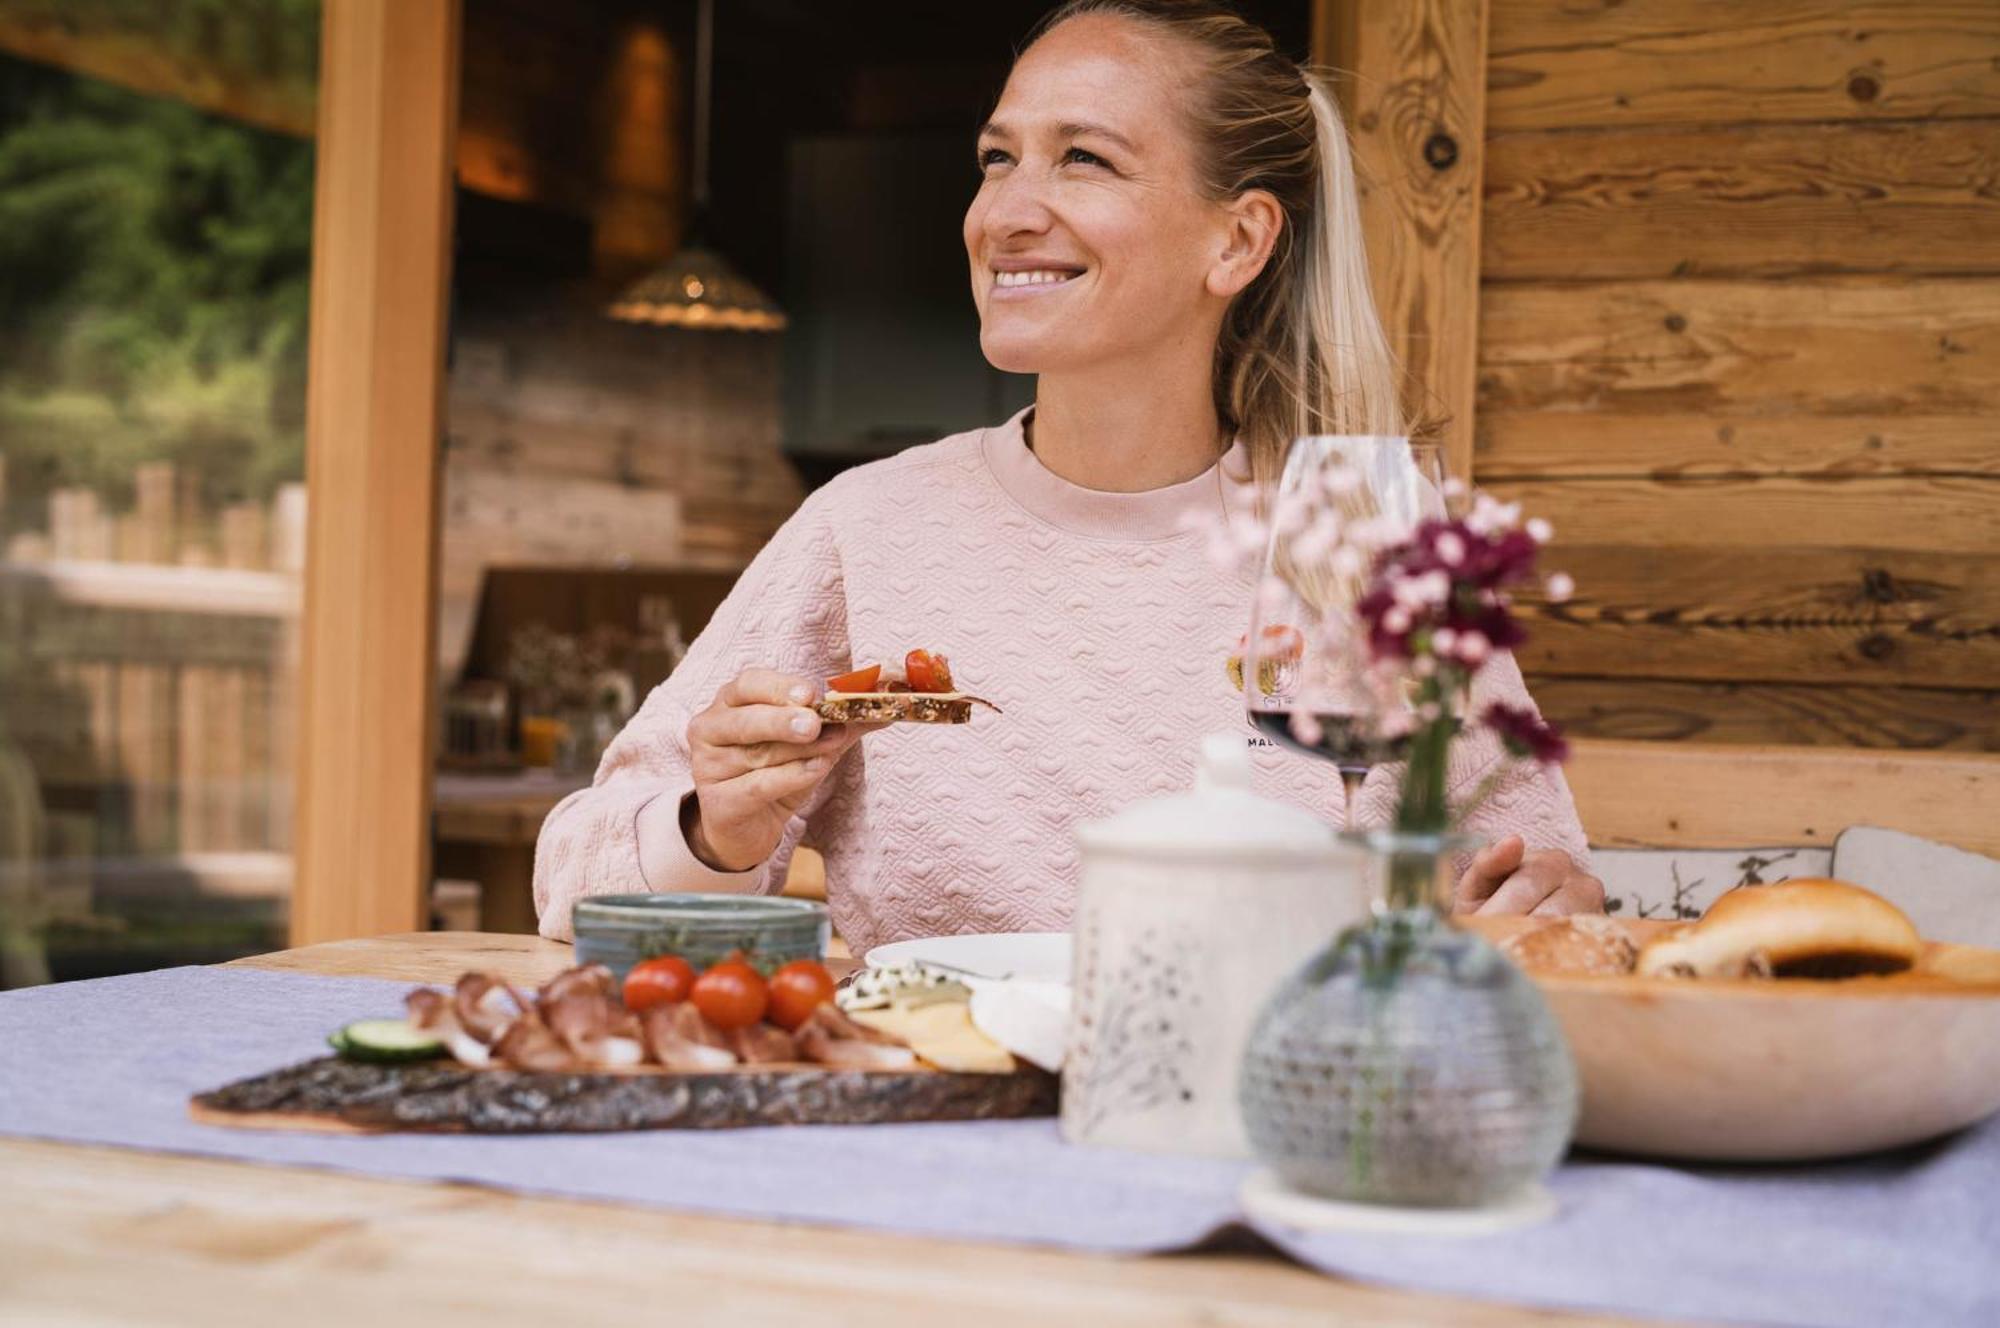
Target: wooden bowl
{"x":1774,"y":1071}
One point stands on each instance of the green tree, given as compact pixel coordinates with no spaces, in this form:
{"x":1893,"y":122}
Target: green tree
{"x":154,"y":265}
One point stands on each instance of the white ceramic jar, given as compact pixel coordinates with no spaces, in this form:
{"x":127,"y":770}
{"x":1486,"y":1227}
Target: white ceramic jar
{"x":1189,"y":910}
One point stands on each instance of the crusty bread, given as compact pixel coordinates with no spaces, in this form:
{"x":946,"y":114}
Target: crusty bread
{"x":1587,"y":944}
{"x":897,"y":707}
{"x":1802,"y":928}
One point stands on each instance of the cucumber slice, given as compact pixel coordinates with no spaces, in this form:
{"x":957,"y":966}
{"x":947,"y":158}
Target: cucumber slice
{"x":385,"y":1040}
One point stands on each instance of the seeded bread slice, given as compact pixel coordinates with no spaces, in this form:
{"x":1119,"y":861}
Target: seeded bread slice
{"x":899,"y":707}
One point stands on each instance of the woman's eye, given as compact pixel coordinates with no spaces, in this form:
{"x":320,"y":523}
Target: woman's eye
{"x":1086,"y":158}
{"x":990,"y":158}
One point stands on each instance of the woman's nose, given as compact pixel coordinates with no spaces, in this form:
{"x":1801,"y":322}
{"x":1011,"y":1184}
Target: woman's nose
{"x":1015,"y":206}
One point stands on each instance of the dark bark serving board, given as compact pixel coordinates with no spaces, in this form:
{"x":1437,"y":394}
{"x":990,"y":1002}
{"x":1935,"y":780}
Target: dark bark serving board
{"x":343,"y":1096}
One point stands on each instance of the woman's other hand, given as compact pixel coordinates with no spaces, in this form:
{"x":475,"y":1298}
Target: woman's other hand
{"x":1506,"y":878}
{"x":757,"y":754}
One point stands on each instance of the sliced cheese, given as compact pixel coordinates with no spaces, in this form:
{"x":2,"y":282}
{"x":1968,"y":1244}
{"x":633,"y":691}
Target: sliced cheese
{"x":942,"y":1035}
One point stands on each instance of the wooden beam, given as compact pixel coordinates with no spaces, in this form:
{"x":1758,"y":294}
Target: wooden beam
{"x":148,"y":49}
{"x":1720,"y":349}
{"x":1691,"y":795}
{"x":374,"y":403}
{"x":1690,"y":62}
{"x":1416,"y":107}
{"x":1743,"y":200}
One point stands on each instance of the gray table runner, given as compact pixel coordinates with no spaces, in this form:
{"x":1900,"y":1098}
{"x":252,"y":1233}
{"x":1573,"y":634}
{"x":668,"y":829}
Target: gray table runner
{"x":1901,"y":1238}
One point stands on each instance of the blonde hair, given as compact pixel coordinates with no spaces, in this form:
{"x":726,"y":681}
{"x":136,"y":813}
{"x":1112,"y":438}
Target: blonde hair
{"x":1302,"y":350}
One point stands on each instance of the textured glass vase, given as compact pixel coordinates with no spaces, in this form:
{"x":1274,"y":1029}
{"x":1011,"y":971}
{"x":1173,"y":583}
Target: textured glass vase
{"x":1408,"y":1062}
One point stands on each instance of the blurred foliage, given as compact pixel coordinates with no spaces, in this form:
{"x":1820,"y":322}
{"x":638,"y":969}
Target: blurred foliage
{"x":154,"y":266}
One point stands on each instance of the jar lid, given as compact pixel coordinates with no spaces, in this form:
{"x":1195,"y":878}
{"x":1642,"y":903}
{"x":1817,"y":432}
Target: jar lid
{"x":1219,"y":814}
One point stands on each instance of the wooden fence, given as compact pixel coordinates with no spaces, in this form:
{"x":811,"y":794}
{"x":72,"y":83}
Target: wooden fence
{"x":148,"y":662}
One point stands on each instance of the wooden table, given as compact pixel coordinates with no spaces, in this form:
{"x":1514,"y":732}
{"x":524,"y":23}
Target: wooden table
{"x":103,"y":1236}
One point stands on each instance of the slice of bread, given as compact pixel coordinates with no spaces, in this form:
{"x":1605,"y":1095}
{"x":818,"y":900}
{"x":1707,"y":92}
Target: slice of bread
{"x":897,"y":707}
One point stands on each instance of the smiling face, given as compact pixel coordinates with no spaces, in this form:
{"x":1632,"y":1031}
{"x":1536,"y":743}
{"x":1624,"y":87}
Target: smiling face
{"x":1090,"y":238}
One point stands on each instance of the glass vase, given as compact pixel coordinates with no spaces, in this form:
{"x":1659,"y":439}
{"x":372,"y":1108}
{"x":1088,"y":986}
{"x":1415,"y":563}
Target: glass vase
{"x":1408,"y":1062}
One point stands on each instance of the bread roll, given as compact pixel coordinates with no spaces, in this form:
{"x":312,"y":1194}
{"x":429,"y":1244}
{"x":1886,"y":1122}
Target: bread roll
{"x":1588,"y":944}
{"x":1808,"y":928}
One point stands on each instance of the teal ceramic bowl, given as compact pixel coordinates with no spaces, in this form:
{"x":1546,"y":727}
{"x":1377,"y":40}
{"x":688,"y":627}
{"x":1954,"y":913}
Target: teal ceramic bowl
{"x":619,"y":931}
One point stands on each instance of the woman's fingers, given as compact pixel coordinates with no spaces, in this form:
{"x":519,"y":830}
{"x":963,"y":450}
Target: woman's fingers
{"x":713,"y":763}
{"x":1581,"y":893}
{"x":748,"y":725}
{"x":1490,"y":867}
{"x":754,"y":687}
{"x":1546,"y":884}
{"x":778,"y":783}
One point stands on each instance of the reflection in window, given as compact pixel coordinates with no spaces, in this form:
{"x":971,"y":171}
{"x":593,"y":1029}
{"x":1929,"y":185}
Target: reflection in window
{"x":156,"y":198}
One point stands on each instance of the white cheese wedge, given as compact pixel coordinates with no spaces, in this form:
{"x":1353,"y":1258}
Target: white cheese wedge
{"x":942,"y":1035}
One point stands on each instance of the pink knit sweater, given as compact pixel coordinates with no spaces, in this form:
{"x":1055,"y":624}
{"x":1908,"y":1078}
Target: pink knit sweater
{"x":1095,"y":621}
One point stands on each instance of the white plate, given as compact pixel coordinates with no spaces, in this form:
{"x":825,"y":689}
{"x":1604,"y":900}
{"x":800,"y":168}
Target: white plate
{"x":1039,"y":956}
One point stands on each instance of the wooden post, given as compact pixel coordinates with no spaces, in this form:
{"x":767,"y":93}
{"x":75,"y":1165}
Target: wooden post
{"x":1415,"y":100}
{"x":381,"y":264}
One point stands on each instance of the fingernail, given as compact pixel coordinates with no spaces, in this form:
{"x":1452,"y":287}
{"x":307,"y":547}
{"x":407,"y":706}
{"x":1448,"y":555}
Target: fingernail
{"x":802,"y":725}
{"x":801,"y":694}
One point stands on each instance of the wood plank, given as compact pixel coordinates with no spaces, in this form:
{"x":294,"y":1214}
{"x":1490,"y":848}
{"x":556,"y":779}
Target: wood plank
{"x":1689,"y":795}
{"x":1416,"y":110}
{"x":203,"y":1243}
{"x":1753,"y":714}
{"x":1558,"y":66}
{"x":1835,"y":616}
{"x":381,"y":263}
{"x":156,"y":50}
{"x":1933,"y":515}
{"x":1858,"y":345}
{"x":1554,"y":444}
{"x":1746,"y":200}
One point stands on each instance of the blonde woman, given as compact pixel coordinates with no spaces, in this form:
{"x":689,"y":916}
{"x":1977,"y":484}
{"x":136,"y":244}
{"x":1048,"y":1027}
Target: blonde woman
{"x":1165,"y":233}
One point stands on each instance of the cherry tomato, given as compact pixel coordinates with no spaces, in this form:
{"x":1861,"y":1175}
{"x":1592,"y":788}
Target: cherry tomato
{"x":927,"y":672}
{"x":730,"y":995}
{"x":798,"y":989}
{"x":861,"y":680}
{"x":661,"y":981}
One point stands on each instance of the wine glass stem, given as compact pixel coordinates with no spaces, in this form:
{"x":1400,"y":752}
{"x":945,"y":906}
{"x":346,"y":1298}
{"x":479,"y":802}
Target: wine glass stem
{"x":1351,"y":780}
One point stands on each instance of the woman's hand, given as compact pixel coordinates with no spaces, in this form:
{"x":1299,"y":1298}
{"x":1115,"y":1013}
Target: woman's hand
{"x":757,"y":753}
{"x":1506,"y":878}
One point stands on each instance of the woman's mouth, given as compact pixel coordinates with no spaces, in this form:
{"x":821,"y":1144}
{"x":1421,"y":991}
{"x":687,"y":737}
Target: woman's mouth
{"x":1036,"y":281}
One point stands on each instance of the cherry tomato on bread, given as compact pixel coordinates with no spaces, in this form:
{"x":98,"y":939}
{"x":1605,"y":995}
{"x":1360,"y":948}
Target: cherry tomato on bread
{"x":661,"y":981}
{"x":730,"y":995}
{"x":861,"y":680}
{"x":927,"y":672}
{"x":798,"y":989}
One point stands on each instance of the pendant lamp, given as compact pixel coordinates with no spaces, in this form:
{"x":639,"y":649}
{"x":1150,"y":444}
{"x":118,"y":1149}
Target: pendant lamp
{"x":697,"y":287}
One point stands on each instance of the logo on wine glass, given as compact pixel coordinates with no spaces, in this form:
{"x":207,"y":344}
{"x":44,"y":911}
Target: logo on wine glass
{"x":1280,"y":648}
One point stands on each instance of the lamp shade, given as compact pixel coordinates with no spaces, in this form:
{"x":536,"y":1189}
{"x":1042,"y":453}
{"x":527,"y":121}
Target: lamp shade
{"x":697,"y":288}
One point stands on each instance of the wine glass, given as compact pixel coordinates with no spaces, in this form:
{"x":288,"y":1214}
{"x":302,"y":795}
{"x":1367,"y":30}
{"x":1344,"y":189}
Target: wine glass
{"x":1339,"y":499}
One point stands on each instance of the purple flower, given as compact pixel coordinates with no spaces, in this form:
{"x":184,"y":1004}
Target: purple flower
{"x":1526,"y":733}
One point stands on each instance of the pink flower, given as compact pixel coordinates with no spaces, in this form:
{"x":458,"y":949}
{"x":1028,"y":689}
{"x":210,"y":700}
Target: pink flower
{"x":1526,"y":733}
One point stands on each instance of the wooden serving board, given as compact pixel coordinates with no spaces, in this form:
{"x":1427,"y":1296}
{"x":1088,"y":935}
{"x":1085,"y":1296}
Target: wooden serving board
{"x":443,"y":1096}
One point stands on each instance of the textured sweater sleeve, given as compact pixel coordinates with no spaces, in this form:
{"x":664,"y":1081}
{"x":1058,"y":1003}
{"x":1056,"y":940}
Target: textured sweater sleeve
{"x":1530,"y":800}
{"x":786,"y":612}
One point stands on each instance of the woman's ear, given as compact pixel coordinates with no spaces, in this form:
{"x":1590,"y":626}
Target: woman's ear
{"x":1253,"y":221}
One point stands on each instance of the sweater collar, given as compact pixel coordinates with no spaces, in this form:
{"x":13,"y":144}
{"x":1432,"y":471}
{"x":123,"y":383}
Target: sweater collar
{"x":1153,"y":514}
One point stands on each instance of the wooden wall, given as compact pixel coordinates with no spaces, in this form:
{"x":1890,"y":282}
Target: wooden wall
{"x":1738,"y":337}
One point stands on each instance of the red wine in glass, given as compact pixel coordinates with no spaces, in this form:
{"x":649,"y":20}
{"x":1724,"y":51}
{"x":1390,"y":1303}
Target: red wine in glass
{"x":1343,"y":739}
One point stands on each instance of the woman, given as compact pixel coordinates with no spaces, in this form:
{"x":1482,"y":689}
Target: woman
{"x":1165,"y":233}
